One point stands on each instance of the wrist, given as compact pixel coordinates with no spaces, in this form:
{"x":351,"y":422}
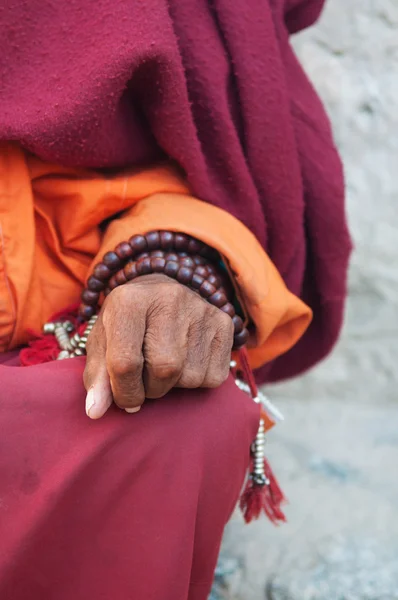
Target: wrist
{"x":173,"y":255}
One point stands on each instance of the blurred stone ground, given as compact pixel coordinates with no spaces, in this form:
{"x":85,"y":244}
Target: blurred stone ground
{"x":337,"y":453}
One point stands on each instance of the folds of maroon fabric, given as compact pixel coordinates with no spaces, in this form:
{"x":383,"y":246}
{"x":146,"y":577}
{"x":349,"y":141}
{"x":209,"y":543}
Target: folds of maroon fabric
{"x":216,"y":87}
{"x":131,"y":506}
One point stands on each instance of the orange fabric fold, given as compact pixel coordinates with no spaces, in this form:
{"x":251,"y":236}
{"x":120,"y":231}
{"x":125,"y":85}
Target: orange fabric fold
{"x":280,"y":318}
{"x":51,"y":231}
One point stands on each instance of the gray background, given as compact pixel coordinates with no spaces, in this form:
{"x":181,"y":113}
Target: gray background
{"x":336,"y":455}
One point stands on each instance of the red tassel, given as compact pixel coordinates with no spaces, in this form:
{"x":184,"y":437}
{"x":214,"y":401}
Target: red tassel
{"x":41,"y":350}
{"x":268,"y":498}
{"x":44,"y":348}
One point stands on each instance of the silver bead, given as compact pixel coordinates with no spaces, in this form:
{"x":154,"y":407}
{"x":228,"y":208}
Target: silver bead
{"x":78,"y":352}
{"x":62,"y":337}
{"x":63,"y":354}
{"x":68,"y":326}
{"x":48,"y":328}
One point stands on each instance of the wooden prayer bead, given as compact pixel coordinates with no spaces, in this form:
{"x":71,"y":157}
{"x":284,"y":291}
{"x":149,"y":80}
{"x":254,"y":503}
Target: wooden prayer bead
{"x":130,"y":270}
{"x":207,"y":289}
{"x":112,"y":283}
{"x":238,"y":323}
{"x":184,"y":275}
{"x":218,"y":299}
{"x":158,"y":264}
{"x":120,"y":277}
{"x":166,"y":239}
{"x":214,"y":280}
{"x":101,"y":272}
{"x":196,"y":281}
{"x":153,"y":240}
{"x":157,"y":254}
{"x":172,"y":256}
{"x":195,"y":246}
{"x":112,"y":261}
{"x":181,"y":242}
{"x":144,"y":266}
{"x":187,"y":261}
{"x":201,"y":270}
{"x":142,"y":255}
{"x":89,"y":297}
{"x":124,"y":250}
{"x":86,"y":311}
{"x":228,"y":309}
{"x":240,"y":339}
{"x":95,"y":285}
{"x":138,"y":244}
{"x":171,"y":268}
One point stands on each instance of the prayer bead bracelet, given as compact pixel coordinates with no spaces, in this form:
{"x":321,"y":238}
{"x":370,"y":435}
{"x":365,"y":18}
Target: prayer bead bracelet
{"x":176,"y":255}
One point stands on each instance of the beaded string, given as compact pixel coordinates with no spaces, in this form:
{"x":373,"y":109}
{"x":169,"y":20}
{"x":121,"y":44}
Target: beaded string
{"x":176,"y":255}
{"x":192,"y":263}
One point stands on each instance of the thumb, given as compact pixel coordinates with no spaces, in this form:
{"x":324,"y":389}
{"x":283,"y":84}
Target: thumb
{"x":96,"y":379}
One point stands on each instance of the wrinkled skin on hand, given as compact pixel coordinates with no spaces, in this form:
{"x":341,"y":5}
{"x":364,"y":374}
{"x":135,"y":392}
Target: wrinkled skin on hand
{"x":152,"y":335}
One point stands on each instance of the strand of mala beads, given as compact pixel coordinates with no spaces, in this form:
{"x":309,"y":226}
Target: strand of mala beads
{"x":179,"y":256}
{"x":196,"y":265}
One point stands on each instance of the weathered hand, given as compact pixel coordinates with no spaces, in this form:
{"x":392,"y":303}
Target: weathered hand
{"x":153,"y":335}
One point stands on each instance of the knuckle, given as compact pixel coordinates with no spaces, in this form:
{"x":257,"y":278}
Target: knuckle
{"x":192,"y":379}
{"x":166,"y":368}
{"x":122,"y":366}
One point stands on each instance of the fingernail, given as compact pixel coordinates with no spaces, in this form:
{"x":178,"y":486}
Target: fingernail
{"x":90,"y":400}
{"x":133,"y":410}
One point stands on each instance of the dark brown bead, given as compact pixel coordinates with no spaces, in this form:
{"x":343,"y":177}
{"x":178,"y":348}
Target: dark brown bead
{"x":199,"y":260}
{"x":142,"y":255}
{"x":218,"y":299}
{"x":184,"y":275}
{"x":101,"y":272}
{"x":181,"y":241}
{"x":166,"y":240}
{"x":144,"y":266}
{"x":240,"y":339}
{"x":172,"y":256}
{"x":120,"y":277}
{"x":86,"y":311}
{"x":153,"y":240}
{"x":107,"y":292}
{"x":124,"y":250}
{"x":130,"y":270}
{"x":207,"y":289}
{"x":197,"y":281}
{"x":214,"y":280}
{"x":171,"y":268}
{"x":138,"y":244}
{"x":112,"y":261}
{"x":228,"y":309}
{"x":202,"y":271}
{"x":186,"y":261}
{"x":211,"y":268}
{"x":112,"y":284}
{"x":238,"y":323}
{"x":182,"y":254}
{"x":157,"y":254}
{"x":194,"y":246}
{"x":90,"y":297}
{"x":158,"y":264}
{"x":95,"y":285}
